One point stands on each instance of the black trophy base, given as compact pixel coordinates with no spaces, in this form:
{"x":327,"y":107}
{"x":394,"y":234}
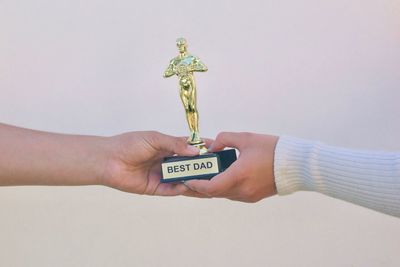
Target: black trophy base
{"x":206,"y":166}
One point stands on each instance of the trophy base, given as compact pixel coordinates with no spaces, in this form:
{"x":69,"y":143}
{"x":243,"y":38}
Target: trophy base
{"x":205,"y":166}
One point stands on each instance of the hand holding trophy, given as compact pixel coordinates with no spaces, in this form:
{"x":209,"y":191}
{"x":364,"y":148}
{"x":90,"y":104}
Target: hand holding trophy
{"x":206,"y":165}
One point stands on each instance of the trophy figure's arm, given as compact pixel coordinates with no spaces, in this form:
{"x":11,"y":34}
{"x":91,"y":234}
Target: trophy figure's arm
{"x":170,"y":70}
{"x":199,"y":66}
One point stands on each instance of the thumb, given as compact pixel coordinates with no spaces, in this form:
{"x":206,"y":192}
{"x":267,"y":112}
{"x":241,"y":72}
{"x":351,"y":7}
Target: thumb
{"x":221,"y":185}
{"x":228,"y":139}
{"x":172,"y":144}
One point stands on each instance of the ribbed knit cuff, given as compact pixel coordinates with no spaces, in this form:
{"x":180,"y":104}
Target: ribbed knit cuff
{"x":366,"y":178}
{"x":292,"y":165}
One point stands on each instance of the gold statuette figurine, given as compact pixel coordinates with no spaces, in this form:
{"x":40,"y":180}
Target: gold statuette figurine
{"x":184,"y":65}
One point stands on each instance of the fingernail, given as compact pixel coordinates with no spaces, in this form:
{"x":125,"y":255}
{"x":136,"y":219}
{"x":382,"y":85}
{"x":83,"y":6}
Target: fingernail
{"x":193,"y":149}
{"x":210,"y":149}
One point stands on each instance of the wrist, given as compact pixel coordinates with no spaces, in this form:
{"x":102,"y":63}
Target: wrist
{"x":99,"y":155}
{"x":110,"y":159}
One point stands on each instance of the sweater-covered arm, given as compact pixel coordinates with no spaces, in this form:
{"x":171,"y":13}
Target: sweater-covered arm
{"x":367,"y":178}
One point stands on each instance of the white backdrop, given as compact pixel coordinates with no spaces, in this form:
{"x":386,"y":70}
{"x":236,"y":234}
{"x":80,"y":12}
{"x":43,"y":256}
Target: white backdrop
{"x":326,"y":70}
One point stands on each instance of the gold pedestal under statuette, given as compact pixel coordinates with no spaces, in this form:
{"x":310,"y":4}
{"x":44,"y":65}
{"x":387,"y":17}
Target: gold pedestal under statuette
{"x":206,"y":165}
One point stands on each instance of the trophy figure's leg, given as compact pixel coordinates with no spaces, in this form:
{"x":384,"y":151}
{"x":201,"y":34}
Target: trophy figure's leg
{"x":188,"y":97}
{"x":193,"y":113}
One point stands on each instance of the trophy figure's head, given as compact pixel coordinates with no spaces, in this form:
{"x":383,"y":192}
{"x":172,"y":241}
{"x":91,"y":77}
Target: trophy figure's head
{"x":182,"y":45}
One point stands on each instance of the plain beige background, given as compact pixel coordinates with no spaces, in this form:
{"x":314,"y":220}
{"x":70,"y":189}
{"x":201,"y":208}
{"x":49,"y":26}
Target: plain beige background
{"x":326,"y":70}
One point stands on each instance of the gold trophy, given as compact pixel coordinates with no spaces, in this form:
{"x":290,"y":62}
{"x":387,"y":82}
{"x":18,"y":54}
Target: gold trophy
{"x":183,"y":66}
{"x":206,"y":165}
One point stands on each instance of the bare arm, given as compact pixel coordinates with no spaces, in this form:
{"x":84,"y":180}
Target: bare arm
{"x":31,"y":157}
{"x":128,"y":162}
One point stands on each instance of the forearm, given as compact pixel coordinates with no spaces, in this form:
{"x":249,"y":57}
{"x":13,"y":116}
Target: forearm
{"x":29,"y":157}
{"x":367,"y":178}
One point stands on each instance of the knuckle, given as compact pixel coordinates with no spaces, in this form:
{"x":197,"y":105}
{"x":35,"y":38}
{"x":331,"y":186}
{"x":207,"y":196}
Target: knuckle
{"x":153,"y":133}
{"x":221,"y":136}
{"x":213,"y":192}
{"x":179,"y":144}
{"x":246,"y":135}
{"x":250,"y":201}
{"x":242,"y":173}
{"x":152,"y":136}
{"x":249,"y":192}
{"x":254,"y":199}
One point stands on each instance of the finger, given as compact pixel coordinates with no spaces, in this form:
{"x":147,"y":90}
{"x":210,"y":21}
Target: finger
{"x":228,"y":139}
{"x":170,"y":189}
{"x":207,"y":141}
{"x":163,"y":189}
{"x":221,"y":185}
{"x":177,"y":189}
{"x":191,"y":193}
{"x":172,"y":144}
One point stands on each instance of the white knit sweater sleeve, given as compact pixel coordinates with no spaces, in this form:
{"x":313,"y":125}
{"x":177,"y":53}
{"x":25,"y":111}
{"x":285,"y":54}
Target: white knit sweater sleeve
{"x":367,"y":178}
